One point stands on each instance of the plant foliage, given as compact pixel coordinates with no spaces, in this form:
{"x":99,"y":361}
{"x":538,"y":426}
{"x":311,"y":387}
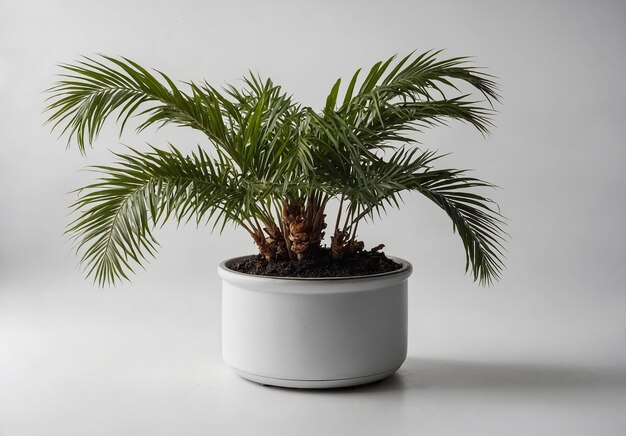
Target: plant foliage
{"x":273,"y":165}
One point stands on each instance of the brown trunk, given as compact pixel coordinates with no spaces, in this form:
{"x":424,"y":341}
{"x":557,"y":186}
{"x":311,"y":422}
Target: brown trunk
{"x":276,"y":240}
{"x":273,"y":246}
{"x":339,"y":247}
{"x":304,"y":226}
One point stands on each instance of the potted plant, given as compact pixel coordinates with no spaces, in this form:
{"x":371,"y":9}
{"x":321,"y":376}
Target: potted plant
{"x":302,"y":312}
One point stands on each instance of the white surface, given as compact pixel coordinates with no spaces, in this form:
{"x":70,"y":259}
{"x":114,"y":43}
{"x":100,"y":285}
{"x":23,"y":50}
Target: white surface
{"x":142,"y":361}
{"x":542,"y":353}
{"x":314,"y":333}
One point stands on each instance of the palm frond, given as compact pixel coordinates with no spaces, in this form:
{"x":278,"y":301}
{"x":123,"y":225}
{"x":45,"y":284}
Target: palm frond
{"x":478,"y":224}
{"x":117,"y":214}
{"x":91,"y":91}
{"x":412,"y":96}
{"x":391,"y":103}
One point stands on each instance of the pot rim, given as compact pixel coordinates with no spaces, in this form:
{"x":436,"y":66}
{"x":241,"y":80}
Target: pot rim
{"x":225,"y":272}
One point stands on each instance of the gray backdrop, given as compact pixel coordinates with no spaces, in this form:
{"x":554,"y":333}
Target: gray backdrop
{"x":558,"y":153}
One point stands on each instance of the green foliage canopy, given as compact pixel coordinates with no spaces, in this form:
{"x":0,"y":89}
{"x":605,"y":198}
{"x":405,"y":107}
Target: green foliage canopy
{"x":271,"y":156}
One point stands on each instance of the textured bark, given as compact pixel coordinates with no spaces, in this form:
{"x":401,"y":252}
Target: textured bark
{"x":264,"y":247}
{"x":272,"y":246}
{"x":276,"y":240}
{"x":303,"y":224}
{"x":340,"y":246}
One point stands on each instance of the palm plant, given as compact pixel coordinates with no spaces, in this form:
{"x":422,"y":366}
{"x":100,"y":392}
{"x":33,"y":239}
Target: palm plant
{"x":274,"y":165}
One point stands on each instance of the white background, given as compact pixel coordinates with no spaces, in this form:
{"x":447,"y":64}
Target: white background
{"x":542,"y":352}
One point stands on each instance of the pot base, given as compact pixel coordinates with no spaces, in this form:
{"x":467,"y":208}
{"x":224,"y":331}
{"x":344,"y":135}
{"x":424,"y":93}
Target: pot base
{"x":314,"y":384}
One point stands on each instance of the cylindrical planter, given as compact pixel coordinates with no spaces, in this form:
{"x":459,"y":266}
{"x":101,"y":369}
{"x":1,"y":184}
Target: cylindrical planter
{"x":314,"y":332}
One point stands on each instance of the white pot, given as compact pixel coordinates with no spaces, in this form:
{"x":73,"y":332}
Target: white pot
{"x":314,"y":332}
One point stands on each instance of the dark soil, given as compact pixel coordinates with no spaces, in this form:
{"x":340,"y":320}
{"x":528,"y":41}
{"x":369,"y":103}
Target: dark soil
{"x":321,"y":265}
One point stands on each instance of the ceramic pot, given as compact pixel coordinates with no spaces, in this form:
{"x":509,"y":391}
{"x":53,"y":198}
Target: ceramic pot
{"x":314,"y":332}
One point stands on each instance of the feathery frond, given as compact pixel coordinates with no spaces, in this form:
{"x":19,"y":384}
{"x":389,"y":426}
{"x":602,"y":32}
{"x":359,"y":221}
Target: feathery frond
{"x":275,"y":164}
{"x":118,"y":213}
